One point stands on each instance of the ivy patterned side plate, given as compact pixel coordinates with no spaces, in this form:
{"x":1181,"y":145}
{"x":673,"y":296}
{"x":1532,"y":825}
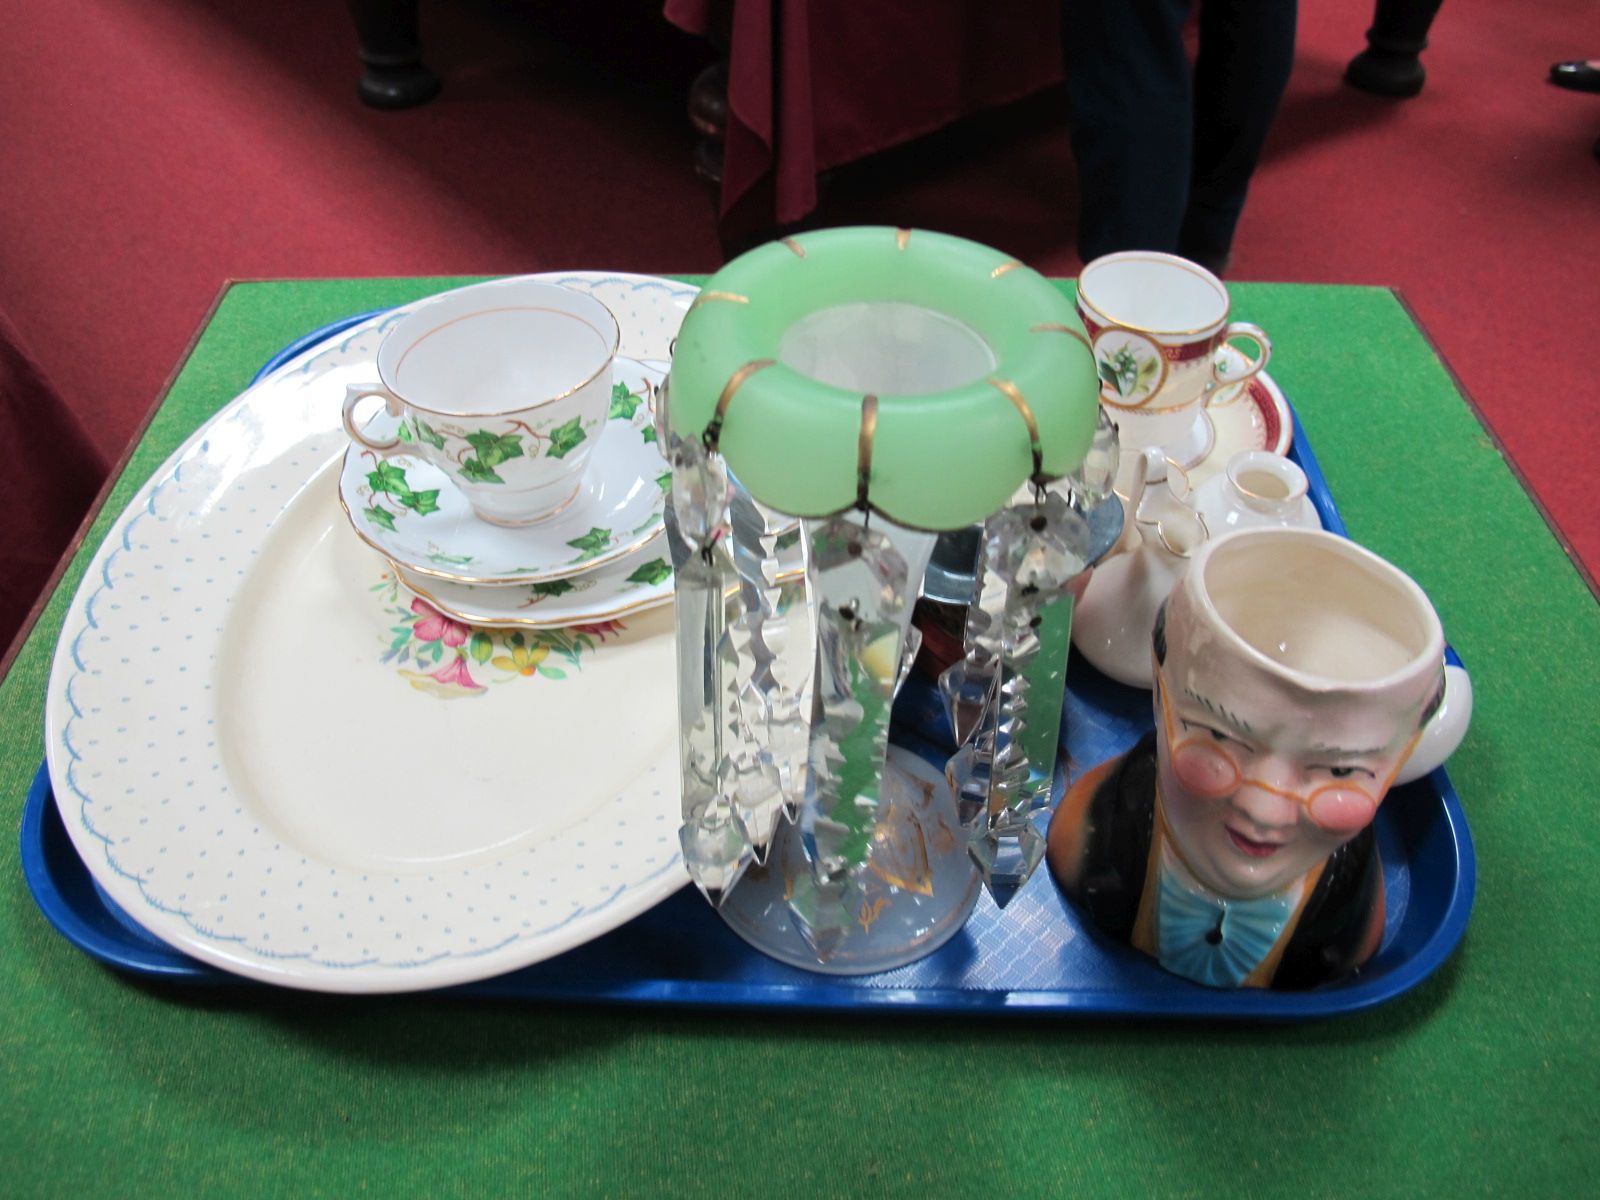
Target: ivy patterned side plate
{"x":280,"y":761}
{"x":411,"y":512}
{"x":637,"y":582}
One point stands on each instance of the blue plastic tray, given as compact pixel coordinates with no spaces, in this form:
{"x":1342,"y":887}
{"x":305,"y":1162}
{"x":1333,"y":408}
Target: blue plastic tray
{"x":1035,"y":958}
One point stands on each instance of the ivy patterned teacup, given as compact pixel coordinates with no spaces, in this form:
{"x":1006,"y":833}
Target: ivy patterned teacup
{"x":1158,"y":324}
{"x":504,"y":386}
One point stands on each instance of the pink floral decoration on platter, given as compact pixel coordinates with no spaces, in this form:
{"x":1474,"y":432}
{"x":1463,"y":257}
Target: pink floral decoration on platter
{"x":439,"y":655}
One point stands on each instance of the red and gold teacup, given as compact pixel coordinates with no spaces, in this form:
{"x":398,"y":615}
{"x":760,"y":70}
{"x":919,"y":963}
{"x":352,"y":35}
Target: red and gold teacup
{"x":1158,"y":325}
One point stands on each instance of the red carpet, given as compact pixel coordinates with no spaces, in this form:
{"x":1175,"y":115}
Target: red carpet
{"x":153,"y":149}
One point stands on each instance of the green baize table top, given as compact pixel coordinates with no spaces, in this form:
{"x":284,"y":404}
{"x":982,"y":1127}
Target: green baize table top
{"x":1485,"y":1078}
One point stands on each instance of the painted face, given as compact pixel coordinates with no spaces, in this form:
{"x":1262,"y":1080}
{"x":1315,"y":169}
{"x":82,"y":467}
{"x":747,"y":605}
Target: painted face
{"x":1294,"y":669}
{"x":1256,"y":794}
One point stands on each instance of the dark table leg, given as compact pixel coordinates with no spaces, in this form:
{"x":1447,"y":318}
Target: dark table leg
{"x":394,"y":76}
{"x":708,"y":113}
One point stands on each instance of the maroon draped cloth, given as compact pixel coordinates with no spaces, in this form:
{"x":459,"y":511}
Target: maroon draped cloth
{"x":53,"y":472}
{"x":814,"y":84}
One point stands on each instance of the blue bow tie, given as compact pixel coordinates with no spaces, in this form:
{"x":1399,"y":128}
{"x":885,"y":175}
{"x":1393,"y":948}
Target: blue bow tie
{"x":1212,"y":941}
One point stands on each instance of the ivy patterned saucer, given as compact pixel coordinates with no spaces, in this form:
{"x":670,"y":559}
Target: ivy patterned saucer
{"x":278,"y":760}
{"x":634,"y":583}
{"x":411,"y":512}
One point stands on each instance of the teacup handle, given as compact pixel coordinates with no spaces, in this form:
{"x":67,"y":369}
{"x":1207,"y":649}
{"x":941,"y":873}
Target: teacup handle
{"x":1240,"y":329}
{"x":354,"y":395}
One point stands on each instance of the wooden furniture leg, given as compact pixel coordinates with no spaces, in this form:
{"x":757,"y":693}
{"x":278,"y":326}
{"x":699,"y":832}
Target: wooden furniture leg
{"x":708,"y":113}
{"x":394,"y":76}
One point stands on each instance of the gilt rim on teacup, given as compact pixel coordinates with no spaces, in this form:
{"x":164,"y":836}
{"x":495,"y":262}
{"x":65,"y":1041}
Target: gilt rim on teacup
{"x":1174,"y":260}
{"x":388,"y":368}
{"x":1429,"y":657}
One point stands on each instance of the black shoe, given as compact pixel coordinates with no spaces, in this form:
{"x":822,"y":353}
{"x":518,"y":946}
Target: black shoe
{"x":1576,"y":76}
{"x":1394,"y":75}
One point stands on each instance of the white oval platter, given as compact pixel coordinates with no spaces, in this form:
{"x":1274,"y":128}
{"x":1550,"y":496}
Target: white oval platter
{"x":280,"y":762}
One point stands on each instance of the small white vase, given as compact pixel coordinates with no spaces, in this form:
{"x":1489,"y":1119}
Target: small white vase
{"x":1258,"y":488}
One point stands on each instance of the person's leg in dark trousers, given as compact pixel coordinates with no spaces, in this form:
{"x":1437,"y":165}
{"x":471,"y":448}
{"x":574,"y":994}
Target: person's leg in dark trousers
{"x":1245,"y":56}
{"x":1128,"y":83}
